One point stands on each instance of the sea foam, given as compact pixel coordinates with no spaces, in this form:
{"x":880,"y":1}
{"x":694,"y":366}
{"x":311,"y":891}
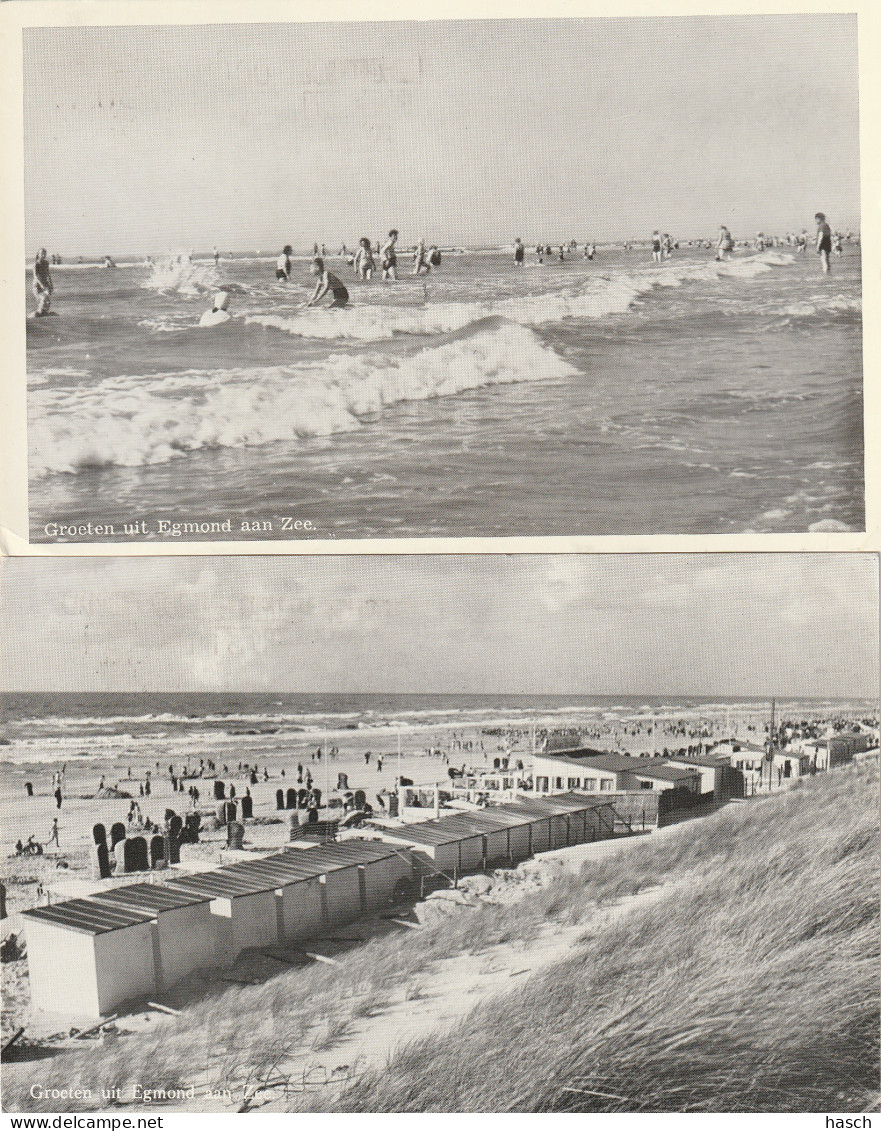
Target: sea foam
{"x":140,"y":421}
{"x":595,"y":298}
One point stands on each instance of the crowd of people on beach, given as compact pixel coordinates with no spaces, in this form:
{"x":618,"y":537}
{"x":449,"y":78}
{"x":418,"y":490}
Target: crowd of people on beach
{"x":501,"y":747}
{"x":368,"y":257}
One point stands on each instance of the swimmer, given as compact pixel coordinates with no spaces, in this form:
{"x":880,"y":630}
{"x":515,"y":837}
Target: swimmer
{"x":327,"y":281}
{"x":519,"y":252}
{"x":216,"y":257}
{"x":836,"y":246}
{"x":724,"y":244}
{"x":434,"y":256}
{"x":759,"y":243}
{"x":667,"y":245}
{"x":824,"y":241}
{"x":108,"y":262}
{"x":389,"y":260}
{"x":218,"y":312}
{"x":540,"y":252}
{"x":657,"y":253}
{"x":590,"y":250}
{"x":283,"y":264}
{"x":363,"y":262}
{"x":42,"y":285}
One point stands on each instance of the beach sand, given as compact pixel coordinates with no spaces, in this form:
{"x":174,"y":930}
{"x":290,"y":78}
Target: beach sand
{"x":65,"y":872}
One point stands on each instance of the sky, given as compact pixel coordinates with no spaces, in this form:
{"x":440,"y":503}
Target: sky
{"x":800,"y":625}
{"x":154,"y":138}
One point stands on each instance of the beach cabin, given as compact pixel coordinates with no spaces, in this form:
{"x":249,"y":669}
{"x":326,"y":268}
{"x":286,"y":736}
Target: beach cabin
{"x":717,"y":777}
{"x":185,"y":927}
{"x":244,"y":906}
{"x":608,"y":773}
{"x":85,"y":957}
{"x":442,"y":846}
{"x":466,"y":841}
{"x":572,"y":818}
{"x":384,"y":869}
{"x":515,"y":825}
{"x":836,"y":749}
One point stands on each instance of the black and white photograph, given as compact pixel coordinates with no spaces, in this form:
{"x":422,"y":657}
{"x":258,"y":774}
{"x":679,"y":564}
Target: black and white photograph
{"x":411,"y":833}
{"x":442,"y":278}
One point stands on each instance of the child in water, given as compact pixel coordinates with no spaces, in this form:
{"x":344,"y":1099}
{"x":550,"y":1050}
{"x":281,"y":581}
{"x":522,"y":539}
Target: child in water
{"x":327,"y":281}
{"x":218,"y":313}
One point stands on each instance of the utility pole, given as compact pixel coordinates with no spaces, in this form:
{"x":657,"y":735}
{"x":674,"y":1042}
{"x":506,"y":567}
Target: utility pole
{"x":326,"y":783}
{"x":770,"y":754}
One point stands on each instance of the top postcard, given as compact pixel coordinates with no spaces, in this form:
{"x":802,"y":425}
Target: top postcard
{"x":453,"y":278}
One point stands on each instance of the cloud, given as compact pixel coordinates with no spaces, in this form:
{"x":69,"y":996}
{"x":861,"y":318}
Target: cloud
{"x":568,"y":623}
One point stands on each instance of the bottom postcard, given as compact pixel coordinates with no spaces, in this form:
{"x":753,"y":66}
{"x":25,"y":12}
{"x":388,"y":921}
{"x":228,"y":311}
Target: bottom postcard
{"x":483,"y":833}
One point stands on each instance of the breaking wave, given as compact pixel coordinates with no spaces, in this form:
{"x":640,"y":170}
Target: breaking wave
{"x":141,"y":421}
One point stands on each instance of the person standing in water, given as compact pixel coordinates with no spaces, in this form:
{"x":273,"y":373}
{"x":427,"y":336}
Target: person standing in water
{"x":389,"y":259}
{"x":824,"y":241}
{"x":657,"y":253}
{"x":724,"y":244}
{"x":327,"y":281}
{"x":419,"y":264}
{"x":216,"y":257}
{"x":42,"y":285}
{"x":283,"y":264}
{"x":364,"y":264}
{"x":519,"y":252}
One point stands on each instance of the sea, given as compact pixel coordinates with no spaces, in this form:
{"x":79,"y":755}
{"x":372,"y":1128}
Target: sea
{"x":613,"y":396}
{"x":82,"y":727}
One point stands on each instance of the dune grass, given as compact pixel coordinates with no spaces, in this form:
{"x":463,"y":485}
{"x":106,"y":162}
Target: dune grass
{"x":752,"y":987}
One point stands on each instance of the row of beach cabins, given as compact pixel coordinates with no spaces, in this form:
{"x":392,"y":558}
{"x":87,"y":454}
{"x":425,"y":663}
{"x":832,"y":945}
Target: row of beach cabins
{"x":88,"y":956}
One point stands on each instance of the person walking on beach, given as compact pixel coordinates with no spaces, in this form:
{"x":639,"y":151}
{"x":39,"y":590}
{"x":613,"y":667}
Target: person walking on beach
{"x":42,"y":285}
{"x":824,"y":241}
{"x":53,"y":836}
{"x":283,"y":264}
{"x":58,"y":797}
{"x":327,"y":281}
{"x":389,"y":261}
